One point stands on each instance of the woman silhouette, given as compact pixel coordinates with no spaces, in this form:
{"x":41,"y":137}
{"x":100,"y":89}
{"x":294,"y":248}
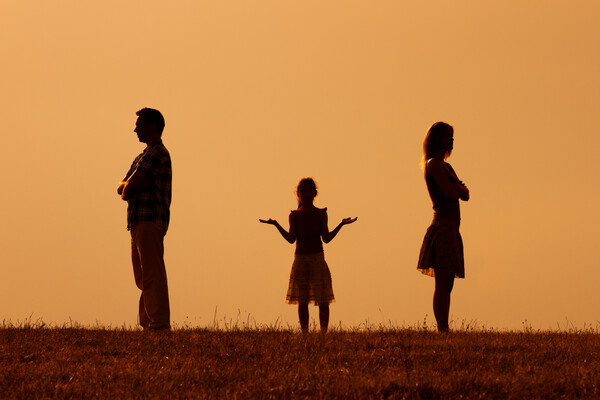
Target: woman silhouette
{"x":441,"y":254}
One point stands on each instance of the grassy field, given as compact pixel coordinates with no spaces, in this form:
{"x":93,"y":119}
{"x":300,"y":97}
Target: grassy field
{"x":40,"y":362}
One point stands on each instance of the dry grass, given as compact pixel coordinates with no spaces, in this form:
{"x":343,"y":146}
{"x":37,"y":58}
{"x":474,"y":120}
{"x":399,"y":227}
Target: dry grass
{"x":40,"y":362}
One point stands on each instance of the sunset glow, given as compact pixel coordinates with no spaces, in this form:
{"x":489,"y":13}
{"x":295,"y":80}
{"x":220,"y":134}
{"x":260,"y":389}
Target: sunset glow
{"x":257,"y":95}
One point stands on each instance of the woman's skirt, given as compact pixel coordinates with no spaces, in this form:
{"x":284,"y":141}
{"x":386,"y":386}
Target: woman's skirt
{"x":310,"y":280}
{"x":442,"y":249}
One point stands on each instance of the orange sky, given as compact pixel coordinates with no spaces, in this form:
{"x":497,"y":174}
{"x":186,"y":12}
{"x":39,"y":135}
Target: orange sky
{"x":259,"y":94}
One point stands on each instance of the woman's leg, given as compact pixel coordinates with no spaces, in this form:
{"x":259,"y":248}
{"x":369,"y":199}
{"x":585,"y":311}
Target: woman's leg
{"x":324,"y":316}
{"x":444,"y":282}
{"x":303,"y":316}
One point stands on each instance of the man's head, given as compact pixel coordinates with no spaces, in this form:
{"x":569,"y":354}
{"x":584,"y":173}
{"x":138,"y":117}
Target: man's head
{"x":149,"y":125}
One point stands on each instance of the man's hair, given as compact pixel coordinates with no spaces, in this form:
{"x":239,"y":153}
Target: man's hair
{"x":152,"y":116}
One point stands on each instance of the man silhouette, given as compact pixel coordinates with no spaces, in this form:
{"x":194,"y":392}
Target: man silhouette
{"x":147,"y":190}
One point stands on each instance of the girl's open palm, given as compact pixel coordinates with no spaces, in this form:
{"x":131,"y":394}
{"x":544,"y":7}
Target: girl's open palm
{"x":268,"y":221}
{"x":349,"y":220}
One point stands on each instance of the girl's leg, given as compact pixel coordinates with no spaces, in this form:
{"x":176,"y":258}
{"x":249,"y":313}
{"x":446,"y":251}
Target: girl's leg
{"x":303,"y":316}
{"x":444,"y":282}
{"x":324,"y":316}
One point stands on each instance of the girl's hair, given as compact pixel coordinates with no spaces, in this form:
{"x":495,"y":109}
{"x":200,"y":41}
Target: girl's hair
{"x":432,"y":141}
{"x":307,"y":182}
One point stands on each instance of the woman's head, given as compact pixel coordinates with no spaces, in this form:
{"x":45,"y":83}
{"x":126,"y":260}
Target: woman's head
{"x":306,"y":189}
{"x":438,"y":141}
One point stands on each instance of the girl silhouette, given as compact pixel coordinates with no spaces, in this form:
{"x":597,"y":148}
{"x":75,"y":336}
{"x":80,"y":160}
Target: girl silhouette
{"x":441,"y":254}
{"x":310,"y":279}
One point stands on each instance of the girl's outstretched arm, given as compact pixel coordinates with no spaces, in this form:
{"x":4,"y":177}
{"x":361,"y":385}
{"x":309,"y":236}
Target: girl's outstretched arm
{"x":289,"y":236}
{"x":328,"y":236}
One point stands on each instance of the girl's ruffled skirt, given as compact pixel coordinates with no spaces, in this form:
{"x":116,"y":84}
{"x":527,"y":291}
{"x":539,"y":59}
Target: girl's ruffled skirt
{"x":442,"y":249}
{"x":310,"y":280}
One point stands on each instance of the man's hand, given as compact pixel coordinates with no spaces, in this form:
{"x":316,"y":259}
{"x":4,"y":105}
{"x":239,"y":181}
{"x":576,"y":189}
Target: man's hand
{"x":135,"y":182}
{"x":120,"y":188}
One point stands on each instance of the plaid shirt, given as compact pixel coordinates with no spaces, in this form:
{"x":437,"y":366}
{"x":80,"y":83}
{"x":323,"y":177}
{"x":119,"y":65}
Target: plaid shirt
{"x":151,"y":202}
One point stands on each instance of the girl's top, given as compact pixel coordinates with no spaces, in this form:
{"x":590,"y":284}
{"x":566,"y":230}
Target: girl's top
{"x":308,"y":230}
{"x":442,"y":207}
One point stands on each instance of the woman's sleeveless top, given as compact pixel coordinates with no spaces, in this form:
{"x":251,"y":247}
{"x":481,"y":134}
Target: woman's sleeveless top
{"x":442,"y":207}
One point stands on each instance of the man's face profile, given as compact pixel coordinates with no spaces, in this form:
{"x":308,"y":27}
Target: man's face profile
{"x":143,"y":130}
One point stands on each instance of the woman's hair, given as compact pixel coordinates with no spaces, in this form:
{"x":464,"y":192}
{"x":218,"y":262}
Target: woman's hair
{"x":432,"y":141}
{"x":306,"y":182}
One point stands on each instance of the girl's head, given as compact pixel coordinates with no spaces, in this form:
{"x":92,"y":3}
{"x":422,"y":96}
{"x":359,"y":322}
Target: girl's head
{"x":306,"y":191}
{"x":438,"y":141}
